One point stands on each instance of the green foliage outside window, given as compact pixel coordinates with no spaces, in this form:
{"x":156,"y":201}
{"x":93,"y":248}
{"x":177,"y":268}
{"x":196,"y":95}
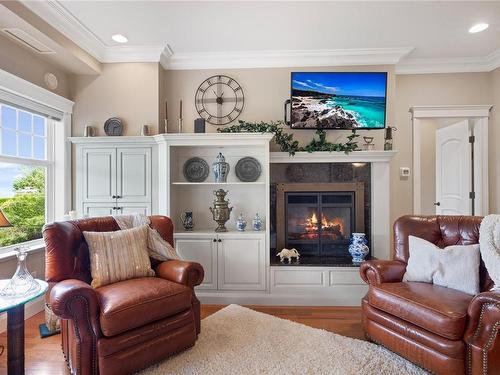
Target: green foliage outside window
{"x":26,"y":209}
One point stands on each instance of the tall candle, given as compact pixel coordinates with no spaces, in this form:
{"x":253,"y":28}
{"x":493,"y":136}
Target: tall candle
{"x":166,"y":110}
{"x":180,"y":110}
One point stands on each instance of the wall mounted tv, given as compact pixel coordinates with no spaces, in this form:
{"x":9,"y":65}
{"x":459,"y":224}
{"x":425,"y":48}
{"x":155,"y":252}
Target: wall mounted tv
{"x":338,"y":100}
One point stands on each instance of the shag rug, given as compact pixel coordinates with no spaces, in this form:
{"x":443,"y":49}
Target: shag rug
{"x":237,"y":340}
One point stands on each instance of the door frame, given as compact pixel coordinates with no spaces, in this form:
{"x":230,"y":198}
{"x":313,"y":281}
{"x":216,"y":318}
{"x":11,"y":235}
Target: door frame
{"x":480,"y":116}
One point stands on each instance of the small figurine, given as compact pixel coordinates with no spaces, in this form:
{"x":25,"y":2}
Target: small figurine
{"x":257,"y":223}
{"x":288,"y":254}
{"x":241,"y":223}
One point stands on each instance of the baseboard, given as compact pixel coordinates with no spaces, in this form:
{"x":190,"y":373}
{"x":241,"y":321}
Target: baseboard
{"x":30,"y":309}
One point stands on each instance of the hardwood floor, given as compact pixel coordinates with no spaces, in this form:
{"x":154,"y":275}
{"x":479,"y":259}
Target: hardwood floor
{"x":44,"y":356}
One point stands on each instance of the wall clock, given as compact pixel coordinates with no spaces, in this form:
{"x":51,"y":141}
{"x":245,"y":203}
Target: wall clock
{"x":219,"y":100}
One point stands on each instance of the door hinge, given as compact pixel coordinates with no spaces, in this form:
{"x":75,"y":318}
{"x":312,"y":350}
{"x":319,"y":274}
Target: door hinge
{"x":472,"y":139}
{"x":472,"y":195}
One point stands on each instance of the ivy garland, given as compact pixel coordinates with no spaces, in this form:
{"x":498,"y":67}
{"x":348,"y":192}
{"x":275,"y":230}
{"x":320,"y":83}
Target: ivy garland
{"x":285,"y":140}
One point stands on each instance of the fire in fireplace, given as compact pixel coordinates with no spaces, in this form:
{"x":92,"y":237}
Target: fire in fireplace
{"x":317,"y":219}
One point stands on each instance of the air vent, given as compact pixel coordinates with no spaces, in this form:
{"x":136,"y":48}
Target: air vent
{"x":27,"y":40}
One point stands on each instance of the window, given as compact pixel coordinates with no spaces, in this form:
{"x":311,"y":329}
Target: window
{"x":25,"y":165}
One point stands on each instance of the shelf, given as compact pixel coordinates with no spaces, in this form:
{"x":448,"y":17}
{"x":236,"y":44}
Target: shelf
{"x":210,"y":183}
{"x":212,"y":232}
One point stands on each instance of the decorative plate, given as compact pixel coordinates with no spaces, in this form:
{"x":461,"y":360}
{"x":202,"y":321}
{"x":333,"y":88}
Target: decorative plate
{"x":113,"y":126}
{"x":248,"y":169}
{"x":196,"y":170}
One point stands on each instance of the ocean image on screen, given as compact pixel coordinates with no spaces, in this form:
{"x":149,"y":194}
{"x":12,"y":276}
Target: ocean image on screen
{"x":338,"y":100}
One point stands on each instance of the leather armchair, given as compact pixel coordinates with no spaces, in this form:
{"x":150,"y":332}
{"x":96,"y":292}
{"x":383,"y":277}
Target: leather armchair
{"x":442,"y":330}
{"x":126,"y":326}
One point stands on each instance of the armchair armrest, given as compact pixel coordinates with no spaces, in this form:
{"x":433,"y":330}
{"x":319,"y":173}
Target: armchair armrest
{"x":67,"y":294}
{"x":182,"y":272}
{"x":375,"y":272}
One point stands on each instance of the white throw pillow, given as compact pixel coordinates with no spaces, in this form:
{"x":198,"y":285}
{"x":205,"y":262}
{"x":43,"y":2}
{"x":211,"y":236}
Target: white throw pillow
{"x":455,"y":267}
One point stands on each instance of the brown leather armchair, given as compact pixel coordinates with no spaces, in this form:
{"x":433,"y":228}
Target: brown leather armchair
{"x":440,"y":329}
{"x":126,"y":326}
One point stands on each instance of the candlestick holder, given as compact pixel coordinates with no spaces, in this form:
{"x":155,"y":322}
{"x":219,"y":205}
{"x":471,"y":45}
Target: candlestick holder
{"x":180,"y":125}
{"x":165,"y":126}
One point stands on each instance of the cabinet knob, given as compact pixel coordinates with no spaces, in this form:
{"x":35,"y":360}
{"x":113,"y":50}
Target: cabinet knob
{"x":113,"y":196}
{"x":214,"y":240}
{"x":219,"y":240}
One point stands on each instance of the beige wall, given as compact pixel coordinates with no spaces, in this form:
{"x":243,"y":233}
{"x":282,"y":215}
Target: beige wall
{"x":431,"y":89}
{"x":126,"y":90}
{"x":494,"y":145}
{"x":25,"y":64}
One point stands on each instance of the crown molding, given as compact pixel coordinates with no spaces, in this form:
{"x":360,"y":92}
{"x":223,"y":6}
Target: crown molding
{"x":284,"y":58}
{"x":452,"y":65}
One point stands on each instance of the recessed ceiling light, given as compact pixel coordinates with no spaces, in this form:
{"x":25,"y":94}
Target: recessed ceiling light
{"x":478,"y":28}
{"x":119,"y":38}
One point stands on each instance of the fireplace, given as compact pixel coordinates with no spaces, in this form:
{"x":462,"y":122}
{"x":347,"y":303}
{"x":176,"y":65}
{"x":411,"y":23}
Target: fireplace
{"x":318,"y":219}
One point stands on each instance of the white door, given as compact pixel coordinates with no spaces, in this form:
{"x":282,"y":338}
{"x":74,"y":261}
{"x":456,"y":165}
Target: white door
{"x":453,"y":170}
{"x":99,"y":209}
{"x":99,"y":174}
{"x":202,"y":249}
{"x":134,"y":175}
{"x":242,"y":262}
{"x":133,"y":208}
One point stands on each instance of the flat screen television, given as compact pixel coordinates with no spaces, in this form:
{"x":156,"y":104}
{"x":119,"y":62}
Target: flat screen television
{"x":338,"y":100}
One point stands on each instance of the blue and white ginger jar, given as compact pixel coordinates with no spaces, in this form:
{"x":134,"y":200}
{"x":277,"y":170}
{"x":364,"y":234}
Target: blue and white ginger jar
{"x":358,"y":248}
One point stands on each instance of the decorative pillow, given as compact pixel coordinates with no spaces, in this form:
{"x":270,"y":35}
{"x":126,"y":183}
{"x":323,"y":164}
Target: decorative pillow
{"x":455,"y":267}
{"x":117,"y":256}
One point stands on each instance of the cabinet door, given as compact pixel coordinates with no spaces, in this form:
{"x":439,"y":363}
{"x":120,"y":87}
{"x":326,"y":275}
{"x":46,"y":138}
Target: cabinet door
{"x":99,"y":209}
{"x":134,"y":174}
{"x":134,"y":208}
{"x":204,"y":251}
{"x":99,"y":174}
{"x":242,"y":263}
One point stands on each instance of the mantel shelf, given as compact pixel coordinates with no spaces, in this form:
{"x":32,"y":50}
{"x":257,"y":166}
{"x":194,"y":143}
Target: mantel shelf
{"x":333,"y":157}
{"x":211,"y":183}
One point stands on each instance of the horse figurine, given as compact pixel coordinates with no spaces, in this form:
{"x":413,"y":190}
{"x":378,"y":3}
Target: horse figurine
{"x":288,"y":254}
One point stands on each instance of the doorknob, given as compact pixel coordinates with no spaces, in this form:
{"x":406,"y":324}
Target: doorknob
{"x":437,"y":203}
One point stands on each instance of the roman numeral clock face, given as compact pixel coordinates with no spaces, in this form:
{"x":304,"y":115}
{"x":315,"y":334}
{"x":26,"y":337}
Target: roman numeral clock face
{"x":219,"y":100}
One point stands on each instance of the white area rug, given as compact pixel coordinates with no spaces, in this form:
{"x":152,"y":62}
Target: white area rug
{"x":237,"y":340}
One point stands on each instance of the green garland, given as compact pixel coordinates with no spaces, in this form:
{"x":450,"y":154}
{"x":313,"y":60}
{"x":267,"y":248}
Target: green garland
{"x":285,"y":140}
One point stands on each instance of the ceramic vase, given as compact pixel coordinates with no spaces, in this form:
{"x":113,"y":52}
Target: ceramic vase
{"x":257,"y":223}
{"x":187,"y":220}
{"x":241,"y":223}
{"x":358,"y":248}
{"x":220,"y":168}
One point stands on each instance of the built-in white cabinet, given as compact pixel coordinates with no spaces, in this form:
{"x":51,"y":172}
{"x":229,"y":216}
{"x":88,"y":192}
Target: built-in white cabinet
{"x":113,"y":178}
{"x":232,"y":261}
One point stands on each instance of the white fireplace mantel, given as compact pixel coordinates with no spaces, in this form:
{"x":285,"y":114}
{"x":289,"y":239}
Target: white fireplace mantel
{"x":380,"y":187}
{"x":333,"y":157}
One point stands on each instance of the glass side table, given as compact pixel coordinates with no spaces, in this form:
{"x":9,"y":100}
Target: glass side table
{"x":15,"y":326}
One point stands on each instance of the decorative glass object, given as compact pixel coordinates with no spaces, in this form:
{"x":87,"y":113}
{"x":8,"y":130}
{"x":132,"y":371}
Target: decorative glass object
{"x":220,"y":168}
{"x":368,"y":145}
{"x":388,"y":138}
{"x":22,"y":283}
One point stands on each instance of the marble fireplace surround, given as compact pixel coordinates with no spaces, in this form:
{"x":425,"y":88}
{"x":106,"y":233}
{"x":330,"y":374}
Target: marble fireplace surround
{"x":380,"y":188}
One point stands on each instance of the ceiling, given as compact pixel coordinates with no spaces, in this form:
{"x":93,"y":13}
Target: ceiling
{"x":418,"y":36}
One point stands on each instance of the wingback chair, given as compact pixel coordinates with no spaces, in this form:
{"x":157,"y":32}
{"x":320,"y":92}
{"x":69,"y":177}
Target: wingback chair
{"x":126,"y":326}
{"x":440,"y":329}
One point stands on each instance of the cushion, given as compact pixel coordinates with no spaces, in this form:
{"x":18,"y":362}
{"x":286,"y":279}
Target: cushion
{"x":446,"y":267}
{"x":133,"y":303}
{"x":118,"y":255}
{"x":442,"y":311}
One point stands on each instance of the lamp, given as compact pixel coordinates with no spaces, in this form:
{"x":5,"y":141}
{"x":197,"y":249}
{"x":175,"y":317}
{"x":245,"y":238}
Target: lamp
{"x":22,"y":283}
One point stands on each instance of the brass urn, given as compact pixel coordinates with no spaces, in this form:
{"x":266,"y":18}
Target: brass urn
{"x":221,"y":210}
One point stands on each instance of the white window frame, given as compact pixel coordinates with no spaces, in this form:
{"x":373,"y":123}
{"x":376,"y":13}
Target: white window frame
{"x":58,"y":150}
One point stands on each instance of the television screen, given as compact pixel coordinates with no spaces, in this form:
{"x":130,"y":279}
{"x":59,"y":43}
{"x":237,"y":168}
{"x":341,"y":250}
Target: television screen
{"x":338,"y":100}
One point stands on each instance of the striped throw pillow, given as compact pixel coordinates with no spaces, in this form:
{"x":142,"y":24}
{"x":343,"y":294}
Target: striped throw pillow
{"x":117,"y":256}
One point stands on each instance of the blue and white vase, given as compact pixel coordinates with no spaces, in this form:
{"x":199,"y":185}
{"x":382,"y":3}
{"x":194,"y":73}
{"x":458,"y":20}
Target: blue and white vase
{"x":257,"y":223}
{"x":358,"y":248}
{"x":220,"y":168}
{"x":241,"y":223}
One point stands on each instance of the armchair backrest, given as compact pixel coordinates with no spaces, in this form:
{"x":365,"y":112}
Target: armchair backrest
{"x":442,"y":231}
{"x":67,"y":253}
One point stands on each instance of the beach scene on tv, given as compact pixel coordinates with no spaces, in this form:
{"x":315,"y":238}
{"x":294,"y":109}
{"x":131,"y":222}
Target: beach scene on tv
{"x":338,"y":100}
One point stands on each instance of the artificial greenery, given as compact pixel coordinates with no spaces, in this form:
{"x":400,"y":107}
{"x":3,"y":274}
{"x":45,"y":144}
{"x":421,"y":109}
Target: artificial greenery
{"x":285,"y":140}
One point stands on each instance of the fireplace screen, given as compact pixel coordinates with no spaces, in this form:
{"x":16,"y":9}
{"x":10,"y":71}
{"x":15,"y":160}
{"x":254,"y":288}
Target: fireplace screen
{"x":319,"y":223}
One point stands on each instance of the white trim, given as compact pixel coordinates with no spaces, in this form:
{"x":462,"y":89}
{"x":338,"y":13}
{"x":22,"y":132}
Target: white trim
{"x":147,"y":140}
{"x":333,"y":157}
{"x":283,"y":58}
{"x":27,"y":90}
{"x":479,"y":112}
{"x":449,"y":65}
